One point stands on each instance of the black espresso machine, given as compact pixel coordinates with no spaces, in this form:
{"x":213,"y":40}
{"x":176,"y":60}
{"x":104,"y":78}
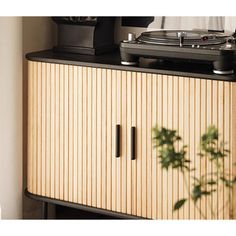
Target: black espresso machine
{"x":85,"y":35}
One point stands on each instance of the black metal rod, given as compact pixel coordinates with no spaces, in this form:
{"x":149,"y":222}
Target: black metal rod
{"x":133,"y":143}
{"x":117,"y":140}
{"x":44,"y":210}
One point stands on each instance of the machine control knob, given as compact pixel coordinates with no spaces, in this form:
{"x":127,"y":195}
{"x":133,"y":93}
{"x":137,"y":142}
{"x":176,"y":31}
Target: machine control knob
{"x":131,"y":37}
{"x":181,"y":36}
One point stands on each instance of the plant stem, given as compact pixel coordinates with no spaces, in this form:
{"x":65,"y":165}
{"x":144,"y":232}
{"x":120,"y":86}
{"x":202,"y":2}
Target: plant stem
{"x":189,"y":193}
{"x":210,"y":204}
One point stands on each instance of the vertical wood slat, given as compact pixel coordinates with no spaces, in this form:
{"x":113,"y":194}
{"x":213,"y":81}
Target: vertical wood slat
{"x":134,"y":163}
{"x":128,"y":144}
{"x":48,"y":130}
{"x":34,"y":129}
{"x":192,"y":134}
{"x":144,"y":145}
{"x":175,"y":112}
{"x":114,"y":122}
{"x":160,"y":175}
{"x":232,"y":159}
{"x":85,"y":133}
{"x":103,"y":139}
{"x":170,"y":126}
{"x":94,"y":137}
{"x":52,"y":125}
{"x":124,"y":142}
{"x":203,"y":112}
{"x":30,"y":128}
{"x":75,"y":134}
{"x":203,"y":161}
{"x":61,"y":131}
{"x":67,"y":104}
{"x":139,"y":144}
{"x":43,"y":126}
{"x":226,"y":112}
{"x":233,"y":145}
{"x":221,"y":115}
{"x":186,"y":117}
{"x":181,"y":124}
{"x":99,"y":138}
{"x":215,"y":122}
{"x":70,"y":132}
{"x":39,"y":130}
{"x":89,"y":137}
{"x":109,"y":155}
{"x":34,"y":125}
{"x":149,"y":146}
{"x":57,"y":132}
{"x":66,"y":133}
{"x":118,"y":160}
{"x":208,"y":122}
{"x":165,"y":114}
{"x":197,"y":133}
{"x":154,"y":151}
{"x":80,"y":132}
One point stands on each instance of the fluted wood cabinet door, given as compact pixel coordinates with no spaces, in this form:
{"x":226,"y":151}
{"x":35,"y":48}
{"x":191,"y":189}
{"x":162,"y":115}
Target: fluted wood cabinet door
{"x":71,"y":129}
{"x":73,"y":112}
{"x":188,"y":105}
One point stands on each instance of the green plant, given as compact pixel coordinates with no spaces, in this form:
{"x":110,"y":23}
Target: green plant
{"x":167,"y":141}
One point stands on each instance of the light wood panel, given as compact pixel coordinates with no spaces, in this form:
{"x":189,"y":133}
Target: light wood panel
{"x":109,"y":141}
{"x":139,"y":144}
{"x":159,"y":123}
{"x":128,"y":143}
{"x":114,"y":122}
{"x":94,"y":137}
{"x":154,"y":151}
{"x":73,"y":112}
{"x":134,"y":162}
{"x":124,"y":141}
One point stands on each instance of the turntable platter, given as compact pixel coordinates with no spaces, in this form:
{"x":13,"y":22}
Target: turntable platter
{"x":171,"y":37}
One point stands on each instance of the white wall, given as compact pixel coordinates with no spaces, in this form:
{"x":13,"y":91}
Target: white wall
{"x":11,"y":117}
{"x":17,"y":37}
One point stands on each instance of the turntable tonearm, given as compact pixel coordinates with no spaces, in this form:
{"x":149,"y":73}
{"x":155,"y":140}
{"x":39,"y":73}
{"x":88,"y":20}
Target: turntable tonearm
{"x":216,"y":47}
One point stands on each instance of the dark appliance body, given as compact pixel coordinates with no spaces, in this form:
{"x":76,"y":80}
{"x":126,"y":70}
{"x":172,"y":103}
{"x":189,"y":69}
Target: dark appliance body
{"x":216,"y":48}
{"x":85,"y":35}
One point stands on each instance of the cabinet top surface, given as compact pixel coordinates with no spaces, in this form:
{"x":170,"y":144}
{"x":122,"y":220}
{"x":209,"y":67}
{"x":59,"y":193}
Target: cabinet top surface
{"x":112,"y":61}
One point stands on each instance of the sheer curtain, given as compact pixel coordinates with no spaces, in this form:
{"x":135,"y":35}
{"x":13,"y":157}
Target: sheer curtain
{"x":193,"y":22}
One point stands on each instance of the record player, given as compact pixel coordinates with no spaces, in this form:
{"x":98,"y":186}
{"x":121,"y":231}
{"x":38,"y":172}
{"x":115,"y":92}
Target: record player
{"x":218,"y":48}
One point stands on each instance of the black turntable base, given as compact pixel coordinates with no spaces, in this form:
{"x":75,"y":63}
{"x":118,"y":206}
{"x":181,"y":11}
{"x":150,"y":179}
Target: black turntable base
{"x":217,"y":48}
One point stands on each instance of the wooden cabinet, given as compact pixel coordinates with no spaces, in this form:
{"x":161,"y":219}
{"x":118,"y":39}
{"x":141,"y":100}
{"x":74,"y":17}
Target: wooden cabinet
{"x":72,"y":117}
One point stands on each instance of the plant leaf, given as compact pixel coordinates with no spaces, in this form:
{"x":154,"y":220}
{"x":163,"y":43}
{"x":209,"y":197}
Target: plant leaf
{"x":179,"y":204}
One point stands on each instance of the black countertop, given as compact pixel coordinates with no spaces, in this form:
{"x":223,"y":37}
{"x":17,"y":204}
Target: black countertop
{"x":112,"y":61}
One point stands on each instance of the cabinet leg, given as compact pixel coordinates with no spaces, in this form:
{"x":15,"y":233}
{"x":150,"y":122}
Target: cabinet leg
{"x":44,"y":210}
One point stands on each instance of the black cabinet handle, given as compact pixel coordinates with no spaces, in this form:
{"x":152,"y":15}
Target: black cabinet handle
{"x":133,"y":143}
{"x":117,"y":140}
